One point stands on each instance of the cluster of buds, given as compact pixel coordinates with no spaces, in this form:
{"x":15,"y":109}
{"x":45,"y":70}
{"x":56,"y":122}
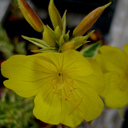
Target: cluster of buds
{"x":57,"y":39}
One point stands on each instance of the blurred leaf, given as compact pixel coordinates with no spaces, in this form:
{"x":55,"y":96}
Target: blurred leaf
{"x":5,"y":46}
{"x":15,"y":111}
{"x":9,"y":48}
{"x":20,"y":47}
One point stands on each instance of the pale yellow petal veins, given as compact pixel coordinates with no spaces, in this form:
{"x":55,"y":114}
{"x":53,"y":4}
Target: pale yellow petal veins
{"x":26,"y":88}
{"x":76,"y":64}
{"x":47,"y":106}
{"x":54,"y":110}
{"x":26,"y":68}
{"x":91,"y":105}
{"x":27,"y":74}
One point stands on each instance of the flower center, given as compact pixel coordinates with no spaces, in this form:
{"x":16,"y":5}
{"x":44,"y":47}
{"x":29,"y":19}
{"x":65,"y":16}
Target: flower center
{"x":63,"y":87}
{"x":60,"y":74}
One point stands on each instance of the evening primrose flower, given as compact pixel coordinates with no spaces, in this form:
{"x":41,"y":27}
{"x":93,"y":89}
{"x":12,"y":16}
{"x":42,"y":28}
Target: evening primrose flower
{"x":114,"y":64}
{"x":66,"y":85}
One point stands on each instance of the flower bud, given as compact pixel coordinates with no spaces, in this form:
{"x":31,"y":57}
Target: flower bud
{"x":57,"y":32}
{"x":30,"y":16}
{"x":61,"y":40}
{"x":54,"y":15}
{"x":89,"y":20}
{"x":68,"y":45}
{"x":48,"y":36}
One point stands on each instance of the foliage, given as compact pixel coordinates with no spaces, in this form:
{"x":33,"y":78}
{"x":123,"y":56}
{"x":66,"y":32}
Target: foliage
{"x":15,"y":111}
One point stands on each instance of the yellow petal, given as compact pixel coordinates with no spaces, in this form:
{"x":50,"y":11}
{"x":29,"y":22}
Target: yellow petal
{"x":116,"y":91}
{"x":75,"y":64}
{"x":81,"y":103}
{"x":112,"y":79}
{"x":21,"y":67}
{"x":51,"y":109}
{"x":26,"y":73}
{"x":26,"y":88}
{"x":96,"y":80}
{"x":90,"y":105}
{"x":125,"y":49}
{"x":116,"y":99}
{"x":111,"y":59}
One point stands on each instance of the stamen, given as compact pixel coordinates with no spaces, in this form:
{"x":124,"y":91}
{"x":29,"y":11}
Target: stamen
{"x":76,"y":107}
{"x":61,"y":84}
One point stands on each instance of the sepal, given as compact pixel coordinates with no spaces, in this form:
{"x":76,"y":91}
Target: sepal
{"x":51,"y":49}
{"x":38,"y":42}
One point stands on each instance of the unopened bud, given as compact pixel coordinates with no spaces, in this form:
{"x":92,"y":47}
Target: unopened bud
{"x":30,"y":16}
{"x":48,"y":37}
{"x":57,"y":32}
{"x":89,"y":20}
{"x":54,"y":15}
{"x":68,"y":45}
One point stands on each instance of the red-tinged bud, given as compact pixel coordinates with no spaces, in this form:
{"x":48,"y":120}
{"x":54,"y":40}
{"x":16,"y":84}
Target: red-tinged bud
{"x":89,"y":20}
{"x":30,"y":16}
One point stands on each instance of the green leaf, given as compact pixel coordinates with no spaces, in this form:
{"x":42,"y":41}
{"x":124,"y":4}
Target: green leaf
{"x":20,"y":48}
{"x":44,"y":50}
{"x":15,"y":111}
{"x":37,"y":42}
{"x":91,"y":50}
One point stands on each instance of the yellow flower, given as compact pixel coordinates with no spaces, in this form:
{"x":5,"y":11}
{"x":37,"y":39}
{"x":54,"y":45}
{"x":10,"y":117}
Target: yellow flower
{"x":114,"y":64}
{"x":66,"y":85}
